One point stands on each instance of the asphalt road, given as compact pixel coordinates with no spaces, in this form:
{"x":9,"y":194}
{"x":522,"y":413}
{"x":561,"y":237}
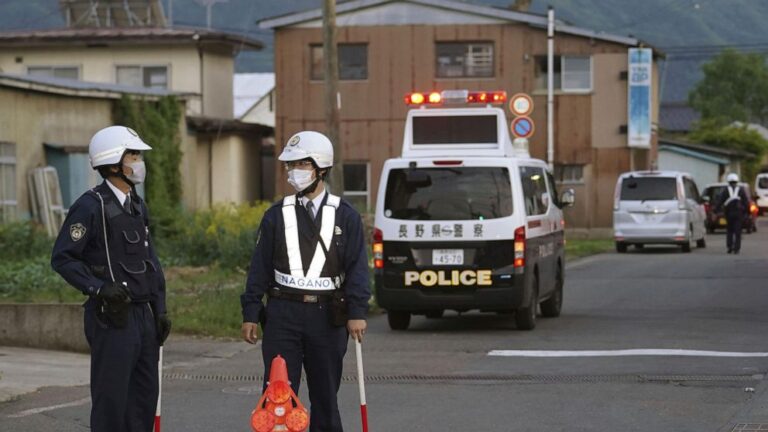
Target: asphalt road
{"x":439,"y":376}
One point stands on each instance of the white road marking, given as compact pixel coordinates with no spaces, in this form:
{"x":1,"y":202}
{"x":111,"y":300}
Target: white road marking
{"x":626,"y":353}
{"x":34,"y":411}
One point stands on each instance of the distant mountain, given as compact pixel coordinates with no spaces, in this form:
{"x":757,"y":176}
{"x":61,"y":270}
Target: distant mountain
{"x":689,"y":31}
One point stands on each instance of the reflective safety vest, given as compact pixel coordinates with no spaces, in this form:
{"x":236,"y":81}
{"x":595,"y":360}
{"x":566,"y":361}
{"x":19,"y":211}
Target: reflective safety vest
{"x":733,"y":195}
{"x":313,"y":279}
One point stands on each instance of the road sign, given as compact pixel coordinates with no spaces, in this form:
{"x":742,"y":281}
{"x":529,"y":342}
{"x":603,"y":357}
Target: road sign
{"x":522,"y":127}
{"x":521,"y":104}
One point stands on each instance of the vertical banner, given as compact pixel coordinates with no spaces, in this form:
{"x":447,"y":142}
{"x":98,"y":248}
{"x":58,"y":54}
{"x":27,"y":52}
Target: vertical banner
{"x":639,"y":100}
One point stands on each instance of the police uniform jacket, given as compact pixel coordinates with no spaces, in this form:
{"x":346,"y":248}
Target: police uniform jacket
{"x":346,"y":255}
{"x":79,"y":252}
{"x":734,"y":208}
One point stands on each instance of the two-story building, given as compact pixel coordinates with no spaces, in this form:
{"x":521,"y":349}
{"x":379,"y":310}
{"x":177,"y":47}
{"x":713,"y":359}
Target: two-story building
{"x":221,"y":155}
{"x":388,"y":48}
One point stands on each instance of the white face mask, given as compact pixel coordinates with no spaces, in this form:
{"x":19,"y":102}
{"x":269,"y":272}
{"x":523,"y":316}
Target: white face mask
{"x":139,"y":172}
{"x":300,"y":179}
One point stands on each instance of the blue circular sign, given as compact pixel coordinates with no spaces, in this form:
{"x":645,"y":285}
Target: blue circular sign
{"x":522,"y":127}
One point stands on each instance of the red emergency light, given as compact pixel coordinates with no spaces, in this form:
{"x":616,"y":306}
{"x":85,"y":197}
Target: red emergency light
{"x":450,"y":96}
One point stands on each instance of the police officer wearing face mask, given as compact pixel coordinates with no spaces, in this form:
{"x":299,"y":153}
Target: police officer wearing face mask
{"x":734,"y":202}
{"x":104,"y":250}
{"x":311,"y":264}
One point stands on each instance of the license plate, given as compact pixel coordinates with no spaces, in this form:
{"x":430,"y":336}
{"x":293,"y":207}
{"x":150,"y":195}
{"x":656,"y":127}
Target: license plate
{"x":722,"y":221}
{"x":447,"y":256}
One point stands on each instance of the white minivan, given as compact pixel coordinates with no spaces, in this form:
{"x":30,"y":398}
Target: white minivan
{"x":761,"y":191}
{"x":467,"y":221}
{"x":658,"y":207}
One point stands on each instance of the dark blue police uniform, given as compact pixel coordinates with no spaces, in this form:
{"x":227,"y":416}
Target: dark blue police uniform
{"x":735,"y":212}
{"x":124,"y":374}
{"x":297,"y":323}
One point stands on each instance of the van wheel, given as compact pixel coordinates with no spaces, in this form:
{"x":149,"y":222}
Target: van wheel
{"x":686,"y":247}
{"x":525,"y":317}
{"x":552,"y":306}
{"x":701,"y":243}
{"x":398,"y":320}
{"x":434,"y":314}
{"x":621,"y":247}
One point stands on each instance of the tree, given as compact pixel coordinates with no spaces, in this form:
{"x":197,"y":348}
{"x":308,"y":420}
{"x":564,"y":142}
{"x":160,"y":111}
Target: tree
{"x":734,"y":136}
{"x":734,"y":88}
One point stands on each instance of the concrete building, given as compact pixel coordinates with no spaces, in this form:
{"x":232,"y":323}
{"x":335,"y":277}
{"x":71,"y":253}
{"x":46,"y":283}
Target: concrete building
{"x":388,"y":48}
{"x":705,"y":163}
{"x":254,"y":98}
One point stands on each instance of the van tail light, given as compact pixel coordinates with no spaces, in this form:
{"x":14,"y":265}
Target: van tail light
{"x":706,"y":208}
{"x":520,"y":247}
{"x":378,"y":248}
{"x":753,"y":208}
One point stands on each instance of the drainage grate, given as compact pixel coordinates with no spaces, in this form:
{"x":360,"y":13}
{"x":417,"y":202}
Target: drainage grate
{"x":750,"y":427}
{"x":524,"y":379}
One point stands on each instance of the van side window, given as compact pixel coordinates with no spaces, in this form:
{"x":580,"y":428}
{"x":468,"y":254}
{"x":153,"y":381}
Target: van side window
{"x":691,"y":191}
{"x":554,"y":196}
{"x":534,"y":187}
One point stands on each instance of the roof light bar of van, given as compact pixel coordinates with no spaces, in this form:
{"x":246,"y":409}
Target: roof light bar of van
{"x":456,"y":97}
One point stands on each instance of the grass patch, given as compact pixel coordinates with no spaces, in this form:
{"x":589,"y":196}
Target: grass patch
{"x":585,"y":247}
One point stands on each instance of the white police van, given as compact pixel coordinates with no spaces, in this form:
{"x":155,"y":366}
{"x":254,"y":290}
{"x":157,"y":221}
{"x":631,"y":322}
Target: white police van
{"x":465,"y":219}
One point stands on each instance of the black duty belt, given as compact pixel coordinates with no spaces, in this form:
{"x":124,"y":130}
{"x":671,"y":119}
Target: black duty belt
{"x":304,"y":298}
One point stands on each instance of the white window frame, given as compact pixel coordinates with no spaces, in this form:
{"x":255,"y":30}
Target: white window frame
{"x":560,"y":167}
{"x":469,"y":57}
{"x":367,"y":193}
{"x":52,"y":68}
{"x":141,"y":72}
{"x":563,"y":73}
{"x":5,"y":202}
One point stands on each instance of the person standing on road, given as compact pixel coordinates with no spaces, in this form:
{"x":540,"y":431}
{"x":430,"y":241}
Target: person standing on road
{"x":311,"y":263}
{"x":735,"y":204}
{"x":104,"y":250}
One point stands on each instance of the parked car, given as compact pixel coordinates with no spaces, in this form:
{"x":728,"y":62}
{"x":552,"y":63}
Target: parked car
{"x":761,"y":192}
{"x":716,"y":215}
{"x":658,"y":207}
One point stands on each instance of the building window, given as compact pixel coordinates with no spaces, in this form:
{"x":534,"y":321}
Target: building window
{"x":353,"y":62}
{"x":143,"y":76}
{"x":571,"y":73}
{"x":569,"y":173}
{"x":356,"y":181}
{"x":464,"y":59}
{"x":8,"y":202}
{"x":70,"y":72}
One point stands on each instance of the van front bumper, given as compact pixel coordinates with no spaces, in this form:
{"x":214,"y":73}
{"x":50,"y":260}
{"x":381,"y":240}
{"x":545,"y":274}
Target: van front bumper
{"x":503,"y":295}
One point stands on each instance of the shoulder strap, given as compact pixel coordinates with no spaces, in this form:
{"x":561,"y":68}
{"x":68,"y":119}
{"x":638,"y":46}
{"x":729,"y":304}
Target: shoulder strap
{"x":292,"y":236}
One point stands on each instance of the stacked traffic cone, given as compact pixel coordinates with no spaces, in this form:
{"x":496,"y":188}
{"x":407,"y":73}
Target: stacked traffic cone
{"x":279,"y":409}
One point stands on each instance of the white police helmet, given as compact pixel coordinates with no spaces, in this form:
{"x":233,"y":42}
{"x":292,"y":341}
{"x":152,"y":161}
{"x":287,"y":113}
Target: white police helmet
{"x":732,"y":177}
{"x":309,"y":144}
{"x":109,"y":144}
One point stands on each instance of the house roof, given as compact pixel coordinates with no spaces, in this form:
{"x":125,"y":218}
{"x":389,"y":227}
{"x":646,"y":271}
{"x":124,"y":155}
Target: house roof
{"x":533,"y":20}
{"x":694,"y":154}
{"x":677,"y":117}
{"x":717,"y":151}
{"x":70,"y":87}
{"x":219,"y":125}
{"x":123,"y":36}
{"x":249,"y":89}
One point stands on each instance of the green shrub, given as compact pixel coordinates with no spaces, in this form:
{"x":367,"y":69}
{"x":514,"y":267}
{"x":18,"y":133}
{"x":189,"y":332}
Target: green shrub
{"x":23,"y":240}
{"x":33,"y":279}
{"x":224,"y":234}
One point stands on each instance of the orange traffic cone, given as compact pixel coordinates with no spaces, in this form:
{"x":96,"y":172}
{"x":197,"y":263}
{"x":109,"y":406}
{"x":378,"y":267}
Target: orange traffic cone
{"x":279,"y":409}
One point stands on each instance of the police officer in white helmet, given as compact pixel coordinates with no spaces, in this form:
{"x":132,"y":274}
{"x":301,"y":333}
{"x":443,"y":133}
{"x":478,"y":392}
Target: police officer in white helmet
{"x":104,"y":250}
{"x":734,"y":203}
{"x":310,"y":262}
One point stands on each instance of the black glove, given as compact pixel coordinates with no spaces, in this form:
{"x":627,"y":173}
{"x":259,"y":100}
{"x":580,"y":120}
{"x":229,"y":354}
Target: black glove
{"x":113,"y":293}
{"x":163,"y":325}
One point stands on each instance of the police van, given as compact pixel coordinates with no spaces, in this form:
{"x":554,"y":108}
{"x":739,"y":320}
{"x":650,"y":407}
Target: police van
{"x":465,"y":218}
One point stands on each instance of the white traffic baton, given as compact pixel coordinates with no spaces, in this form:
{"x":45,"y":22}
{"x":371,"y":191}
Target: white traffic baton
{"x":361,"y":384}
{"x":159,"y":389}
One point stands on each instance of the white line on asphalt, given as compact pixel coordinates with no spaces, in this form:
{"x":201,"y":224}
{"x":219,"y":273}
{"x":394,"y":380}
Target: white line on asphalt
{"x":33,"y":411}
{"x":625,"y":353}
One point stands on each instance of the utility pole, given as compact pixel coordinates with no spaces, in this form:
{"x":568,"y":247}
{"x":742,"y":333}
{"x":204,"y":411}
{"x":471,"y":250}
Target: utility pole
{"x":550,"y":88}
{"x":332,"y":95}
{"x":208,"y":5}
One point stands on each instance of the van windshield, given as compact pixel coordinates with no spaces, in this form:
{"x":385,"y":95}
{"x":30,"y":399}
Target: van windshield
{"x":649,"y":189}
{"x":460,"y":193}
{"x":762,"y":182}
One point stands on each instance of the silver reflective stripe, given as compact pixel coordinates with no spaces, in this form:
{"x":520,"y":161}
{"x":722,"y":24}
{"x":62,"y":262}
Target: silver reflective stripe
{"x":304,"y":283}
{"x":292,"y":236}
{"x":326,"y":234}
